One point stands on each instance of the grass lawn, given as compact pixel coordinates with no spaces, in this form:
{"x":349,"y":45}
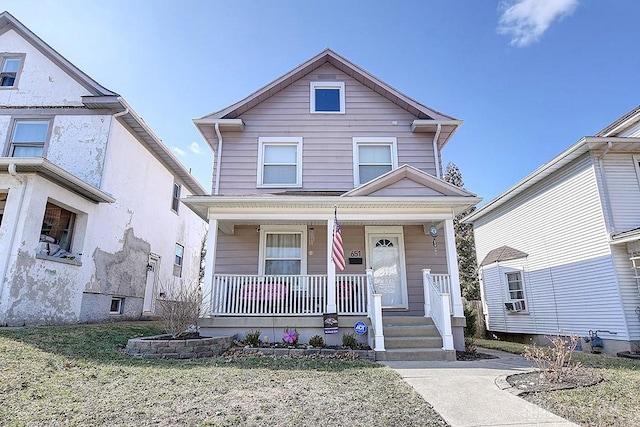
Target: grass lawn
{"x":613,"y":402}
{"x":76,"y":376}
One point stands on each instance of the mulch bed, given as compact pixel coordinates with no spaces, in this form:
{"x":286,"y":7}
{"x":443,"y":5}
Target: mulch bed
{"x":465,"y":355}
{"x":536,"y":381}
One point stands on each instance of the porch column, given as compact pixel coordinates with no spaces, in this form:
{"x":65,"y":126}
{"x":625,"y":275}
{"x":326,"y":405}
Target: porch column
{"x":209,"y":266}
{"x":452,"y":266}
{"x":331,"y":271}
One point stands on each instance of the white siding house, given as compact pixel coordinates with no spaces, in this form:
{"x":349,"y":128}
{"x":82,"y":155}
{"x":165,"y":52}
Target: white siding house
{"x":329,"y":136}
{"x":89,"y":221}
{"x":571,"y":230}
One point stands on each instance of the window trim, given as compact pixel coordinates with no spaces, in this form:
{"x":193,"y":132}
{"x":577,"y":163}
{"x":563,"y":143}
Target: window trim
{"x":283,"y":229}
{"x":177,"y":267}
{"x":326,"y":85}
{"x":8,"y":150}
{"x":358,"y":141}
{"x":523,"y":290}
{"x":120,"y":310}
{"x":175,"y":199}
{"x":8,"y":55}
{"x":273,"y":141}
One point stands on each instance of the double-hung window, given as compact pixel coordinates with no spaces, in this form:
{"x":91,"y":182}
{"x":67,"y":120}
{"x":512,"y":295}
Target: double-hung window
{"x":10,"y":67}
{"x":280,"y":162}
{"x":515,"y":287}
{"x":327,"y":98}
{"x":373,"y":157}
{"x":282,"y":250}
{"x":175,"y":200}
{"x":178,"y":260}
{"x":28,"y":138}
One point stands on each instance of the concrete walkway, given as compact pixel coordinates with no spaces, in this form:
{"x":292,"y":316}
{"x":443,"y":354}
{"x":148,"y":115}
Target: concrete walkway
{"x":474,"y":393}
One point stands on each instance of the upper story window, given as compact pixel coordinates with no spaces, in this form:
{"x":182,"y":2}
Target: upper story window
{"x":175,"y":199}
{"x":10,"y":67}
{"x":280,"y":162}
{"x":327,"y":97}
{"x":28,"y":138}
{"x":373,"y":157}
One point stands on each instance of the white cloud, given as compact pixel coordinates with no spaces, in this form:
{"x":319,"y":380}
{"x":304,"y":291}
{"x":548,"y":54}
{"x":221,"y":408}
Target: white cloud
{"x":526,"y":20}
{"x":195,"y":147}
{"x":178,"y":151}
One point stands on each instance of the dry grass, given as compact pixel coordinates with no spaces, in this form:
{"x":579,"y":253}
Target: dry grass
{"x":613,"y":402}
{"x":76,"y":376}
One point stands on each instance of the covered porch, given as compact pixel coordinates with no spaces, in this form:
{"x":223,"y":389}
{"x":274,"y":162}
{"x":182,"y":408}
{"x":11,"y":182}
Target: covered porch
{"x":269,"y":264}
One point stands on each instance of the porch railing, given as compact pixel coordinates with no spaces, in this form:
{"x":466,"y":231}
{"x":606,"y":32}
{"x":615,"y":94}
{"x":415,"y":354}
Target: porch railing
{"x":300,"y":295}
{"x":374,"y":312}
{"x":438,"y":305}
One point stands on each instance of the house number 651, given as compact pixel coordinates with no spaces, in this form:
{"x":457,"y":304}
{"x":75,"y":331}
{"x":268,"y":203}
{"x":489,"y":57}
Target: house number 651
{"x":355,"y":254}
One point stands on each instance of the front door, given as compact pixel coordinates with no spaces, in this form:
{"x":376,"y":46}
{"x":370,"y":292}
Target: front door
{"x":385,"y":255}
{"x":150,"y":288}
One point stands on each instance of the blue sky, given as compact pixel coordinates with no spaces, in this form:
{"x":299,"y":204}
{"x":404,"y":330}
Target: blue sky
{"x":527,"y":77}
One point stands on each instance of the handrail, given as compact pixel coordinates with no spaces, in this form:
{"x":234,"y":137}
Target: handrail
{"x":437,"y":290}
{"x":374,"y":312}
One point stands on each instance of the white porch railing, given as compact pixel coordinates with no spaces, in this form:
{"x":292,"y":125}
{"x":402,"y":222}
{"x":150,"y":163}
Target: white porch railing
{"x":438,"y":305}
{"x":374,"y":312}
{"x":302,"y":295}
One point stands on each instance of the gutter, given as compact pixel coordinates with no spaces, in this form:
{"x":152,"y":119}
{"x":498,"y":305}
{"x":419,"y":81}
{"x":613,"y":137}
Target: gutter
{"x":106,"y":155}
{"x":14,"y":173}
{"x":435,"y":149}
{"x":605,"y":192}
{"x":216,"y":189}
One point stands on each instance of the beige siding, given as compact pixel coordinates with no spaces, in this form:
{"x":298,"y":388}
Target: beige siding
{"x":570,"y":280}
{"x":238,"y":253}
{"x":327,"y":144}
{"x":406,"y":187}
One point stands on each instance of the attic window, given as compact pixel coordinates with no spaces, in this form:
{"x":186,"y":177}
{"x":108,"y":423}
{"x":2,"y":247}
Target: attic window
{"x":10,"y":66}
{"x":327,"y":98}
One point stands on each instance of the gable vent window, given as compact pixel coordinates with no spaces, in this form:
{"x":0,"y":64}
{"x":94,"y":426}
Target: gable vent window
{"x":9,"y":71}
{"x":327,"y":97}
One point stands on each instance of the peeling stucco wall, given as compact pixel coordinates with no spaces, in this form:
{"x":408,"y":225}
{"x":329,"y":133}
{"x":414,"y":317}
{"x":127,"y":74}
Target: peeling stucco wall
{"x":123,"y":273}
{"x":40,"y":293}
{"x":85,"y":137}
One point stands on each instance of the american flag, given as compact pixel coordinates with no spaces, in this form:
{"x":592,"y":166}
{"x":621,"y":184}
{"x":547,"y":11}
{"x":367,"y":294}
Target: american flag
{"x":338,"y":249}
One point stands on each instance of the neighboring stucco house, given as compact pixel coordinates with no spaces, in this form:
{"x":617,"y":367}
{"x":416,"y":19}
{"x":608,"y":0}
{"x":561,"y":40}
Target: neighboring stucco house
{"x":560,"y":249}
{"x":91,"y":226}
{"x":325,"y":136}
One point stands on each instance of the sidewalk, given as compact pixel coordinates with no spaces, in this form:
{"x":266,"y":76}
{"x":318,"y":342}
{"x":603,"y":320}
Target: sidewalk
{"x":474,"y":393}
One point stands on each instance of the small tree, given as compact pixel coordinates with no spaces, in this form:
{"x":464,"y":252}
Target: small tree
{"x":465,"y":242}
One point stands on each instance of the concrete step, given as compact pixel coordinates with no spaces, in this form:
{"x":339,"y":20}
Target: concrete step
{"x":411,"y":331}
{"x":415,"y":354}
{"x":412,"y":342}
{"x":406,"y":321}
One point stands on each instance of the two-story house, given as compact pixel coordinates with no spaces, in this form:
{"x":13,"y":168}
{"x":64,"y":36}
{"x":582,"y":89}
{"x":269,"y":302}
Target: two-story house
{"x":560,"y":250}
{"x":329,"y":137}
{"x":91,"y":225}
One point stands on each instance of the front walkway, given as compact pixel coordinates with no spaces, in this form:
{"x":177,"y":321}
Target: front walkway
{"x":473,"y":394}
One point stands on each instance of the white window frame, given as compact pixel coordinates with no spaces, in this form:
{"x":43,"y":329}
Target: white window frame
{"x":284,"y":141}
{"x":120,"y":306}
{"x":177,"y":266}
{"x":523,"y":290}
{"x":3,"y":58}
{"x":391,"y":142}
{"x":175,"y":198}
{"x":45,"y":144}
{"x":326,"y":85}
{"x":283,"y":229}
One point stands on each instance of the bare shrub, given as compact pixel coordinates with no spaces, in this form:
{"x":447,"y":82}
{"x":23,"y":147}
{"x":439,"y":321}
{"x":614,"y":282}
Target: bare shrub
{"x":470,"y":346}
{"x":555,"y":361}
{"x":179,"y":310}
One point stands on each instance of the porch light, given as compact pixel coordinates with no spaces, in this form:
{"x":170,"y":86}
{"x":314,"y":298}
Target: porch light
{"x":312,"y":236}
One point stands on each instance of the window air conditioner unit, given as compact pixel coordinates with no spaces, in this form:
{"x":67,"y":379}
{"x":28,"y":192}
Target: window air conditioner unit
{"x":515,"y":306}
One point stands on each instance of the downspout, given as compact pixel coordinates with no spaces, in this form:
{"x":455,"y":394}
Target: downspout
{"x":605,"y":192}
{"x":106,"y":154}
{"x":14,"y":173}
{"x":218,"y":159}
{"x":435,"y":150}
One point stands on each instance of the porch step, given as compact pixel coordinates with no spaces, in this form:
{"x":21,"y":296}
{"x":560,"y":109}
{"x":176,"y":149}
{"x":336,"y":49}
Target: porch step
{"x":412,"y":338}
{"x":411,"y":354}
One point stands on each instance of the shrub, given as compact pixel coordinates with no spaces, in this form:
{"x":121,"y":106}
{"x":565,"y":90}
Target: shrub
{"x":316,"y":341}
{"x":180,"y":309}
{"x":555,"y":361}
{"x":472,"y":322}
{"x":349,"y":340}
{"x":470,"y":345}
{"x":253,"y":338}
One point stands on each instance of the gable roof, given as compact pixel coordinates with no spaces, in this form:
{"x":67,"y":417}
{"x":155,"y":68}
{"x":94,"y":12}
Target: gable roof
{"x":413,"y":174}
{"x":503,"y":253}
{"x":604,"y":141}
{"x":103,"y":98}
{"x":427,"y":118}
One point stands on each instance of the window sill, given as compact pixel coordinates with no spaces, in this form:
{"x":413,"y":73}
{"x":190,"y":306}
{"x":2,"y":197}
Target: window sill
{"x":279,"y":186}
{"x":68,"y":261}
{"x":516,"y":313}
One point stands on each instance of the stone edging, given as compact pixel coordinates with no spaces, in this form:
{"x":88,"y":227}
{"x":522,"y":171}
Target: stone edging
{"x":503,"y":384}
{"x":156,"y":347}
